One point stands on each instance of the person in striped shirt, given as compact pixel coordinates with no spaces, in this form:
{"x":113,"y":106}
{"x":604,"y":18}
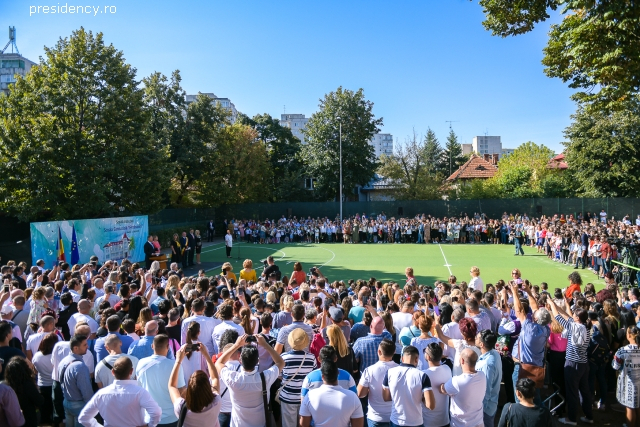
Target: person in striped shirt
{"x":298,"y":363}
{"x":576,"y":366}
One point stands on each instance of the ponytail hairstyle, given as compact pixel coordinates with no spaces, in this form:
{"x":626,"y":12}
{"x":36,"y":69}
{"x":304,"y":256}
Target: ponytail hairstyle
{"x":193,"y":331}
{"x":583,"y":317}
{"x":245,"y":320}
{"x":633,"y":333}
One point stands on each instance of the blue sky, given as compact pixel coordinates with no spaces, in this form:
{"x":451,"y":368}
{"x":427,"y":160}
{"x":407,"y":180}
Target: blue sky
{"x":421,"y":62}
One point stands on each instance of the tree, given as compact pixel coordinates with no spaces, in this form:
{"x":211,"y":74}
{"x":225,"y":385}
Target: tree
{"x":240,"y":172}
{"x":603,"y":152}
{"x":409,"y":172}
{"x":434,"y":154}
{"x":321,"y":154}
{"x":72,"y":137}
{"x":596,"y":47}
{"x":452,"y":157}
{"x":283,"y":150}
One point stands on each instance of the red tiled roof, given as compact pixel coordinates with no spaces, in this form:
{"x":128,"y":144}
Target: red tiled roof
{"x":558,"y":162}
{"x":475,"y":168}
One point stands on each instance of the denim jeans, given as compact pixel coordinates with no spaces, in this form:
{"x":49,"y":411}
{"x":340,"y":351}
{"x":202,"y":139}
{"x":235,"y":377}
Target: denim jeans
{"x":597,"y":372}
{"x":371,"y":423}
{"x":519,"y":250}
{"x":72,"y":412}
{"x":489,"y":420}
{"x":224,"y":418}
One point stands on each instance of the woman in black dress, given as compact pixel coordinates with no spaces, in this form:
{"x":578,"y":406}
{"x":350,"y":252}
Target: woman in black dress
{"x":198,"y":246}
{"x":176,"y":249}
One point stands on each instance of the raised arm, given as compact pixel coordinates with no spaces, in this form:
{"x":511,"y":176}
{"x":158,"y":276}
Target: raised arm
{"x":213,"y":372}
{"x":532,"y":301}
{"x":442,"y":337}
{"x":517,"y":304}
{"x":173,"y":379}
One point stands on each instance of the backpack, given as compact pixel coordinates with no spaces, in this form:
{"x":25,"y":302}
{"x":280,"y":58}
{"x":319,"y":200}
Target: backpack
{"x":599,"y":351}
{"x":316,"y":344}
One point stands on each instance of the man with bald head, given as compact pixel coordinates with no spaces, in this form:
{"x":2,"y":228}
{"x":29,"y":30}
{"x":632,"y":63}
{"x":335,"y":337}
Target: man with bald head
{"x":47,"y":325}
{"x":84,"y":307}
{"x":467,"y":392}
{"x":144,"y":346}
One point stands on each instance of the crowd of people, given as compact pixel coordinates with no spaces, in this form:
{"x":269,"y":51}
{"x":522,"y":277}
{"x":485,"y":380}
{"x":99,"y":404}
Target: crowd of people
{"x":117,"y":344}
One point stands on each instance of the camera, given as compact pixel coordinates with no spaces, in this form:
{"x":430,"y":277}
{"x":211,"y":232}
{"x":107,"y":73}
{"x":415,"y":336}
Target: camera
{"x":194,"y":347}
{"x":251,"y":338}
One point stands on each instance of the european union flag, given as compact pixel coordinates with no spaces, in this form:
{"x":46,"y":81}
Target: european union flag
{"x":75,"y":254}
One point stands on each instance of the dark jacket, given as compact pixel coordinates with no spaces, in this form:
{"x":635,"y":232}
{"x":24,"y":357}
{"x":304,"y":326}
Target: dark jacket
{"x":63,"y":318}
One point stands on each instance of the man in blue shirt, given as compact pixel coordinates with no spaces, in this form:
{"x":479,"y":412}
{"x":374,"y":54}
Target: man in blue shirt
{"x":75,"y":379}
{"x":490,"y":364}
{"x":365,"y":349}
{"x":144,"y":346}
{"x":113,"y":326}
{"x":313,"y":380}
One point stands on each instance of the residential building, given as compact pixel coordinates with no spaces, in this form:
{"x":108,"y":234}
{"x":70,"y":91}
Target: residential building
{"x":486,"y":145}
{"x":475,"y":168}
{"x":382,"y":144}
{"x":223,"y":102}
{"x":558,"y":162}
{"x":12,"y":63}
{"x":467,"y":149}
{"x":295,"y":122}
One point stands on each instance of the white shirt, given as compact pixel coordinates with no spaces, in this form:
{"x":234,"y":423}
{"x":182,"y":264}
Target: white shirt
{"x":331,"y":406}
{"x":76,"y":296}
{"x":467,"y":392}
{"x":407,"y":385}
{"x":44,"y":367}
{"x":122,"y":404}
{"x":439,"y":416}
{"x":103,"y":373}
{"x":207,"y":325}
{"x":62,"y":350}
{"x":379,"y":410}
{"x":93,"y":325}
{"x":476,"y":284}
{"x":452,"y":330}
{"x":402,"y":320}
{"x":226,"y":406}
{"x":113,"y":300}
{"x":246,"y":395}
{"x":219,"y":330}
{"x":33,"y":342}
{"x":228,"y":240}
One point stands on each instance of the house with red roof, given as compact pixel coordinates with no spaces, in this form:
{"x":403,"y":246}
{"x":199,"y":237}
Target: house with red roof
{"x":475,"y":168}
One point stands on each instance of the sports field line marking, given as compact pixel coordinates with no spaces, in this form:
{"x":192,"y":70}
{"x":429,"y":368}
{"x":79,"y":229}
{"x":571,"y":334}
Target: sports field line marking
{"x":446,"y":263}
{"x":329,"y":250}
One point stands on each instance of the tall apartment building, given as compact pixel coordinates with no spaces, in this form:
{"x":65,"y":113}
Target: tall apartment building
{"x":489,"y":145}
{"x":223,"y":102}
{"x":295,"y":122}
{"x":382,"y":144}
{"x":12,"y":63}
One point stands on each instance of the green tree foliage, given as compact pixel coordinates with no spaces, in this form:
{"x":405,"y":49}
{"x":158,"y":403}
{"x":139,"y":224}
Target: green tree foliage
{"x":283,"y":150}
{"x":452,"y":157}
{"x":603,"y":151}
{"x":410,"y":173}
{"x":596,"y":45}
{"x":241,"y":170}
{"x":73,"y":140}
{"x":434,"y":154}
{"x":321,"y":153}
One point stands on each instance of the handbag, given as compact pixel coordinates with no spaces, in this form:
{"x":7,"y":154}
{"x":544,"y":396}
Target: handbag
{"x":533,"y":372}
{"x":277,"y":396}
{"x":268,"y":415}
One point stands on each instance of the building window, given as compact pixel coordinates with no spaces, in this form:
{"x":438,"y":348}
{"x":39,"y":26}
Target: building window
{"x":7,"y":78}
{"x":309,"y":183}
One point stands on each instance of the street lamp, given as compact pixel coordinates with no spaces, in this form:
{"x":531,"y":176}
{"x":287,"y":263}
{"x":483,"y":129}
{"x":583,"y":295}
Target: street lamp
{"x":340,"y":121}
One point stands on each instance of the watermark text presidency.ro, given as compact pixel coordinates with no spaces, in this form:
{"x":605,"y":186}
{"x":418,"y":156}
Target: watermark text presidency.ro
{"x":68,"y":9}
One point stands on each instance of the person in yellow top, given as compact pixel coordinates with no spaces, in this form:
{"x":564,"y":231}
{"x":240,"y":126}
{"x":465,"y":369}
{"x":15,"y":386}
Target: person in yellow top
{"x":248,"y":273}
{"x":229,"y":272}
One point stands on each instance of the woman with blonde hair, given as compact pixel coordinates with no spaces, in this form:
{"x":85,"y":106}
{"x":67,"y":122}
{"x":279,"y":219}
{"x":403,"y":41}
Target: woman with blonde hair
{"x":298,"y":275}
{"x":173,"y":282}
{"x":146,"y":315}
{"x":346,"y":359}
{"x":198,"y":246}
{"x":176,"y":249}
{"x":283,"y":317}
{"x":227,"y":271}
{"x":248,"y":273}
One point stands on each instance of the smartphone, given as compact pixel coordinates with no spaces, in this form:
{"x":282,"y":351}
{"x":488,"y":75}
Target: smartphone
{"x":5,"y":288}
{"x":193,"y":347}
{"x":365,"y":300}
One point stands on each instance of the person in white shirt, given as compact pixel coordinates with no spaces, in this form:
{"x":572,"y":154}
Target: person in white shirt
{"x":438,"y":375}
{"x":84,"y":307}
{"x":331,"y":405}
{"x":406,"y":386}
{"x":467,"y":392}
{"x":47,"y":325}
{"x":379,"y":410}
{"x":123,"y":403}
{"x":245,"y":385}
{"x":226,"y":314}
{"x":74,"y":286}
{"x":404,"y":318}
{"x":207,"y":326}
{"x":104,"y":369}
{"x":476,"y":282}
{"x":108,"y":295}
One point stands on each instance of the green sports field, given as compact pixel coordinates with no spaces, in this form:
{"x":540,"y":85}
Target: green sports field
{"x":388,"y":261}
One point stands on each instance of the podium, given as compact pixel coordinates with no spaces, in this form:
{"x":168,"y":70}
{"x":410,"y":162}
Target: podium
{"x":163,"y":259}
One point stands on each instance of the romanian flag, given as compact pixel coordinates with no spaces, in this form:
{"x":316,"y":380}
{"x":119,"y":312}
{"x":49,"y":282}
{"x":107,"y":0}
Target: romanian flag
{"x":60,"y":247}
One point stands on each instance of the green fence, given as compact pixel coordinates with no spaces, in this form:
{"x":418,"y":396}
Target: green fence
{"x":177,"y":218}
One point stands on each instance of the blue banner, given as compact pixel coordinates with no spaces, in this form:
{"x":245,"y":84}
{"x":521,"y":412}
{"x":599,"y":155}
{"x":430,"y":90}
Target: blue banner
{"x":107,"y":238}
